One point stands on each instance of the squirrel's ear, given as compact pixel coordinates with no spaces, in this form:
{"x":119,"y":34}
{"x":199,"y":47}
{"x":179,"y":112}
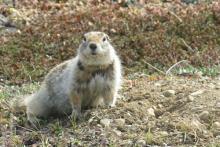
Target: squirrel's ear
{"x":108,"y":37}
{"x":84,"y":38}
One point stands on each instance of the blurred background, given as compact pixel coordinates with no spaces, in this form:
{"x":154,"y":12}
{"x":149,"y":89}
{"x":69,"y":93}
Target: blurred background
{"x":36,"y":35}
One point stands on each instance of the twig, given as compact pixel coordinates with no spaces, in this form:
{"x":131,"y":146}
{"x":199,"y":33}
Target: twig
{"x":25,"y":128}
{"x":172,"y":13}
{"x":168,"y":71}
{"x":189,"y":47}
{"x":156,"y":68}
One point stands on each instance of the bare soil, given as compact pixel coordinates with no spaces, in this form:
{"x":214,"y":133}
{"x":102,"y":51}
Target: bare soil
{"x":150,"y":111}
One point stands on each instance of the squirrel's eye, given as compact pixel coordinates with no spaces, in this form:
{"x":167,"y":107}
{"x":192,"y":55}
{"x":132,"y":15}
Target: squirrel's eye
{"x":84,"y":39}
{"x":104,"y":39}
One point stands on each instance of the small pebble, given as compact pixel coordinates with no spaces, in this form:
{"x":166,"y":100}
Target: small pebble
{"x":160,"y":105}
{"x":164,"y":133}
{"x":169,"y":93}
{"x":120,"y":121}
{"x":211,"y":85}
{"x":141,"y":142}
{"x":105,"y":122}
{"x":150,"y":111}
{"x":117,"y":132}
{"x":157,"y":84}
{"x":196,"y":93}
{"x":127,"y":143}
{"x":204,"y":116}
{"x":216,"y":125}
{"x":217,"y":105}
{"x":190,"y":98}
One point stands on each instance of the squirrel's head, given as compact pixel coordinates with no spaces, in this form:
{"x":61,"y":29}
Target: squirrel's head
{"x":96,"y":49}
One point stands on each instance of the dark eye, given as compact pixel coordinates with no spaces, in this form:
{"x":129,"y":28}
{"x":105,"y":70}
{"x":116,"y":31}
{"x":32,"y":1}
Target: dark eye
{"x":84,"y":39}
{"x":104,"y":39}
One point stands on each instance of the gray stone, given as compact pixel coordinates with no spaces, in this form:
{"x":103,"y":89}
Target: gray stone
{"x":212,"y":86}
{"x":190,"y":98}
{"x":117,"y":132}
{"x":150,"y":111}
{"x":217,"y":105}
{"x":216,"y":128}
{"x":126,"y":143}
{"x":105,"y":122}
{"x":120,"y":121}
{"x":196,"y":93}
{"x":216,"y":125}
{"x":141,"y":142}
{"x":163,"y":133}
{"x":169,"y":93}
{"x":204,"y":116}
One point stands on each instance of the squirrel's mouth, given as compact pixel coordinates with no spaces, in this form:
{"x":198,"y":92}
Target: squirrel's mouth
{"x":93,"y":53}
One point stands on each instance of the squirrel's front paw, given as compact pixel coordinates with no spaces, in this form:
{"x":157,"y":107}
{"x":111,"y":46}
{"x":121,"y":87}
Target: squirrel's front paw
{"x":33,"y":121}
{"x":76,"y":115}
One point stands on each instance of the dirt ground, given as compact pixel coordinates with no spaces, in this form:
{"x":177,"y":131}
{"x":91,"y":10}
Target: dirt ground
{"x":150,"y":111}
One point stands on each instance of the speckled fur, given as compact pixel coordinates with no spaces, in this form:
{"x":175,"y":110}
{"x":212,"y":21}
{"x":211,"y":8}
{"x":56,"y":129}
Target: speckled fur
{"x":82,"y":82}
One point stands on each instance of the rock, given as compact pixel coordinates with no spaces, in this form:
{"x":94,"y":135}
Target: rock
{"x":190,"y":98}
{"x":199,"y":92}
{"x":150,"y":111}
{"x":163,"y":133}
{"x":216,"y":125}
{"x":217,"y":105}
{"x":141,"y":142}
{"x":204,"y":116}
{"x":126,"y":143}
{"x":217,"y":137}
{"x":105,"y":122}
{"x":158,"y":84}
{"x":160,"y":106}
{"x":133,"y":127}
{"x":212,"y":86}
{"x":169,"y":93}
{"x":99,"y":126}
{"x":217,"y":85}
{"x":206,"y":133}
{"x":117,"y":132}
{"x":120,"y":122}
{"x":216,"y":128}
{"x":91,"y":120}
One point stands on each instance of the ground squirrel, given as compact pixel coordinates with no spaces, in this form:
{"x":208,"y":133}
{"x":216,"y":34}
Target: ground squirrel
{"x":90,"y":79}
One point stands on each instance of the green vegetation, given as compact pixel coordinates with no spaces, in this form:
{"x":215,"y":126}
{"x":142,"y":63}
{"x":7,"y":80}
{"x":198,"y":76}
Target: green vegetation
{"x":149,"y":137}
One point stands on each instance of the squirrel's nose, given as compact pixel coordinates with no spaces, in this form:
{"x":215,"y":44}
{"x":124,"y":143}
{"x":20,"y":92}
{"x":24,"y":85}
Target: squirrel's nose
{"x":93,"y":46}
